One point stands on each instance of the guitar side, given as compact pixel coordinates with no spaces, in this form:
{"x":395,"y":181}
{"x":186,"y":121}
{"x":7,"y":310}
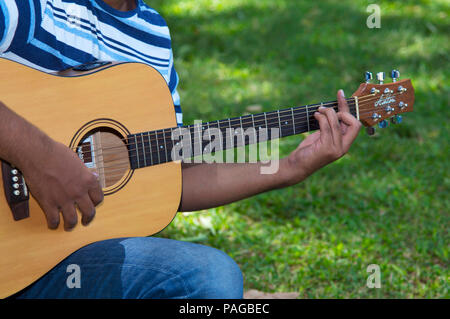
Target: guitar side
{"x":132,"y":94}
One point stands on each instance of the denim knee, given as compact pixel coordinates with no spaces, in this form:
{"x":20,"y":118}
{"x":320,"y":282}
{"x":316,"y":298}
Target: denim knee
{"x":217,"y":276}
{"x":187,"y":270}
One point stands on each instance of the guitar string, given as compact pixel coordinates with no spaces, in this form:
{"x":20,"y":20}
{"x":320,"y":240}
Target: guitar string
{"x":192,"y":130}
{"x":152,"y":151}
{"x":167,"y":158}
{"x":163,"y":150}
{"x":193,"y":127}
{"x":362,"y":103}
{"x":299,"y":108}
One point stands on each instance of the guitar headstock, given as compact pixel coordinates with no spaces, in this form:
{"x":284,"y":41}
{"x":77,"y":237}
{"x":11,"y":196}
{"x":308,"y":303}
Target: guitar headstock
{"x":379,"y":102}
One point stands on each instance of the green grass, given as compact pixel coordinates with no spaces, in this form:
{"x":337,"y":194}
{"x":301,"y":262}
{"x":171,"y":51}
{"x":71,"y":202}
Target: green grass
{"x":386,"y":202}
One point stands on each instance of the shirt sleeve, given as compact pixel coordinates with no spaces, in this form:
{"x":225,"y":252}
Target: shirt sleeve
{"x":9,"y":16}
{"x":173,"y":86}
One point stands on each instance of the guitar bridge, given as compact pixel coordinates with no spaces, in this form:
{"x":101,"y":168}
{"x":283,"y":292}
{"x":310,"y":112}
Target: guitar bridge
{"x":16,"y":192}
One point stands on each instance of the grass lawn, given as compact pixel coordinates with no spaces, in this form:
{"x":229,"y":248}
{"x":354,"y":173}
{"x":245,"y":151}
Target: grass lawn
{"x":386,"y":202}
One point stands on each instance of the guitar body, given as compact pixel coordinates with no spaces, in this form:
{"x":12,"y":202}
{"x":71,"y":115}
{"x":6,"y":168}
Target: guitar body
{"x":104,"y":106}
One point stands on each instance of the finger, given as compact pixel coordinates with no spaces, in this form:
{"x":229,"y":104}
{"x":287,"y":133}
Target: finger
{"x":333,"y":121}
{"x":324,"y":126}
{"x":52,"y":216}
{"x":353,"y":127}
{"x":96,"y":192}
{"x":70,"y":216}
{"x":342,"y":102}
{"x":87,"y":209}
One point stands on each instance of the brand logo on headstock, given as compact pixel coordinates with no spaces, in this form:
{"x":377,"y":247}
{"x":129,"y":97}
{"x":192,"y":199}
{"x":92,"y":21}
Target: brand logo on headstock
{"x":385,"y":99}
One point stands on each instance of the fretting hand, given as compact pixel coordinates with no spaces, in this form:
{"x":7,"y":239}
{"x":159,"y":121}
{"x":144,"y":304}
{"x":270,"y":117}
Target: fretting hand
{"x":336,"y":135}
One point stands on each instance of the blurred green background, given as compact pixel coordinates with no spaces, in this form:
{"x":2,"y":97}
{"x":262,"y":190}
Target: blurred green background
{"x":386,"y":202}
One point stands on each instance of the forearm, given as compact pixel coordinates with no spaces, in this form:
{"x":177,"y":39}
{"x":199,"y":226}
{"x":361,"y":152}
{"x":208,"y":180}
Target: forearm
{"x":211,"y":185}
{"x":19,"y":140}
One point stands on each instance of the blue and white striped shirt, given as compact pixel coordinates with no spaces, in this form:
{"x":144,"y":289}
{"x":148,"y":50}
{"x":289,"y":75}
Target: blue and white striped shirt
{"x":53,"y":35}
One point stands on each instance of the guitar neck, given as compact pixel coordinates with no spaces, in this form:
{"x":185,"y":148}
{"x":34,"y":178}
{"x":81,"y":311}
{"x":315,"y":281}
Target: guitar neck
{"x":155,"y":147}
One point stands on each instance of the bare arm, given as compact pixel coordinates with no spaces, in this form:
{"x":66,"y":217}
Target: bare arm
{"x":211,"y":185}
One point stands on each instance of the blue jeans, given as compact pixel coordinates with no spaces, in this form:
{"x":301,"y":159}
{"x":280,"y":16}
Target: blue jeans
{"x":143,"y":267}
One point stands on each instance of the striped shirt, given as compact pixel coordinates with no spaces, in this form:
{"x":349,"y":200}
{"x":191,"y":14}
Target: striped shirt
{"x":53,"y":35}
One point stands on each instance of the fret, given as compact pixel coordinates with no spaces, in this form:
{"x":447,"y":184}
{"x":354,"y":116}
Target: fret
{"x":157,"y":159}
{"x":279,"y":123}
{"x":307,"y":117}
{"x":178,"y":156}
{"x":200,"y":128}
{"x":171,"y":144}
{"x":272,"y":122}
{"x":192,"y":139}
{"x":165,"y":146}
{"x":161,"y":148}
{"x":357,"y":108}
{"x":146,"y":150}
{"x":143,"y":149}
{"x":293,"y":119}
{"x":150,"y":147}
{"x":242,"y":132}
{"x":256,"y":129}
{"x":221,"y":135}
{"x":137,"y":151}
{"x":231,"y":130}
{"x":157,"y":147}
{"x":268,"y":131}
{"x":208,"y":143}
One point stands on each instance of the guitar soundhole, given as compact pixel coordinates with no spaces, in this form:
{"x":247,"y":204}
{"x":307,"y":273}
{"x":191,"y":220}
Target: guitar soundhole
{"x":105,"y":152}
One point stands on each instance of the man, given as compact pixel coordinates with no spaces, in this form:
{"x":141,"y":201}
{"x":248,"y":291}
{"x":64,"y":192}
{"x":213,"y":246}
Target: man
{"x":52,"y":35}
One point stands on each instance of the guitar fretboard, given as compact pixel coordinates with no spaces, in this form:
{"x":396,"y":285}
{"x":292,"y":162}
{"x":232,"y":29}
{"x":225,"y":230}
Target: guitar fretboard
{"x":155,"y":147}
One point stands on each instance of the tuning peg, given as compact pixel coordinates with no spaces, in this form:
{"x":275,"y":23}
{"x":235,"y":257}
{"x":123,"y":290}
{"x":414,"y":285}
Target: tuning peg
{"x":380,"y":77}
{"x":383,"y":124}
{"x":396,"y":119}
{"x":368,"y":76}
{"x":370,"y":130}
{"x":395,"y":75}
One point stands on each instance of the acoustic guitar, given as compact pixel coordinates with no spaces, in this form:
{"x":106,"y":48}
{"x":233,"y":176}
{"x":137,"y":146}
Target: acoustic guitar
{"x":128,"y":140}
